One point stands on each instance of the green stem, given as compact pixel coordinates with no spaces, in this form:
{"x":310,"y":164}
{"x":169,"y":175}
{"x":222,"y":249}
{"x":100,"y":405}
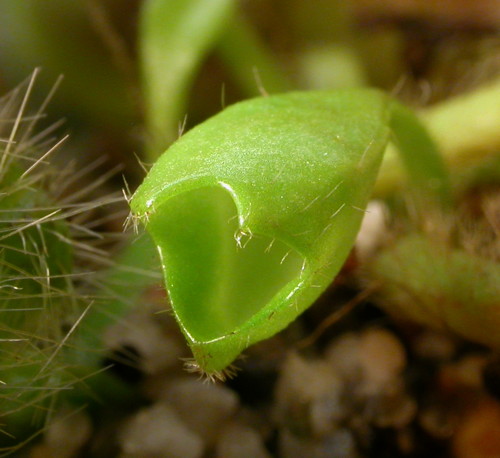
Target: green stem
{"x":420,"y":156}
{"x":465,"y":128}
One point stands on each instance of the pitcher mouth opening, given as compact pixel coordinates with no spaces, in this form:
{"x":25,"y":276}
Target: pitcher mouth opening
{"x":218,"y":275}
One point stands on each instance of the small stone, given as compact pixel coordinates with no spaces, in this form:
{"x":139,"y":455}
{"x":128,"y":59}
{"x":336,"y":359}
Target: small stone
{"x":382,"y":357}
{"x":67,"y":433}
{"x":256,"y":418}
{"x":305,"y":380}
{"x":339,"y":444}
{"x":157,"y":431}
{"x":304,"y":385}
{"x":204,"y":407}
{"x":373,"y":229}
{"x":237,"y":440}
{"x":344,"y":356}
{"x":327,"y":412}
{"x":292,"y":446}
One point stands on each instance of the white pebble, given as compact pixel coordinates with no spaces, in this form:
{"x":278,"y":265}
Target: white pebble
{"x":237,"y":441}
{"x":344,"y":356}
{"x":382,"y":357}
{"x":339,"y":444}
{"x":291,"y":446}
{"x":308,"y":393}
{"x":203,"y":406}
{"x":158,"y":431}
{"x":373,"y":229}
{"x":327,"y":412}
{"x":303,"y":380}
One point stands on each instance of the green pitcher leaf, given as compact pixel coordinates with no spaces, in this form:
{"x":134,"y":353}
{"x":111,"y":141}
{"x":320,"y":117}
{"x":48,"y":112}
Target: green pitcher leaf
{"x":255,"y":210}
{"x":288,"y":174}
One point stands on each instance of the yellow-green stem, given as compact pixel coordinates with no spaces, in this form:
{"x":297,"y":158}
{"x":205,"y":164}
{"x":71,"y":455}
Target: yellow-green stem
{"x":466,"y":129}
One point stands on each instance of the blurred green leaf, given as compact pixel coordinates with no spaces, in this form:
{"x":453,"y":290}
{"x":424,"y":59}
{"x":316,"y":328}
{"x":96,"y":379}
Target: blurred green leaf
{"x":58,"y":37}
{"x":431,"y":283}
{"x":174,"y":37}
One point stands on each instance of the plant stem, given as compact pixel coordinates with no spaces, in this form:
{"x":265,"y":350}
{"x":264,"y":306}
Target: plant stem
{"x":423,"y":165}
{"x":466,"y":129}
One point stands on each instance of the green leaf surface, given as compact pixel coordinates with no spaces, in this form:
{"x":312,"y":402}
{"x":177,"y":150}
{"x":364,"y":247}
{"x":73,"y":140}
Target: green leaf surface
{"x":255,"y":210}
{"x":429,"y":282}
{"x":174,"y":37}
{"x":58,"y":37}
